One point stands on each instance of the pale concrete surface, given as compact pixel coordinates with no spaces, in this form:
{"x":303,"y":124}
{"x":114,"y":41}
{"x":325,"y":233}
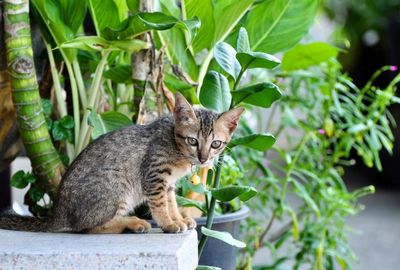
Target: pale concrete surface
{"x":377,"y":244}
{"x":155,"y":250}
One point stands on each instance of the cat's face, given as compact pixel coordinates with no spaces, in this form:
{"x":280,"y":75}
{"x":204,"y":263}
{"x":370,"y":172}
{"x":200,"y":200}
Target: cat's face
{"x":202,"y":135}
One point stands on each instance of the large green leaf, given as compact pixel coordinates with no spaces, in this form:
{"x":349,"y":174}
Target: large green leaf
{"x":119,"y":74}
{"x":223,"y":236}
{"x":227,"y":14}
{"x":204,"y":11}
{"x":107,"y":13}
{"x":175,"y":84}
{"x":176,"y":43}
{"x":303,"y":56}
{"x":262,"y":94}
{"x":107,"y":122}
{"x":260,"y":142}
{"x":217,"y":19}
{"x":215,"y":93}
{"x":95,"y":43}
{"x":73,"y":13}
{"x":226,"y":194}
{"x":225,"y":56}
{"x":144,"y":21}
{"x":185,"y":202}
{"x":242,"y":43}
{"x":50,"y":12}
{"x":250,"y":60}
{"x":277,"y":25}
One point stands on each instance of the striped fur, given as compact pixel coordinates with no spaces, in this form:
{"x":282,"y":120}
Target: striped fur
{"x":137,"y":164}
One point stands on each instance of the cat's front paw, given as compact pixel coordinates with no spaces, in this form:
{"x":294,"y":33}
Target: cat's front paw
{"x":175,"y":227}
{"x":190,"y":223}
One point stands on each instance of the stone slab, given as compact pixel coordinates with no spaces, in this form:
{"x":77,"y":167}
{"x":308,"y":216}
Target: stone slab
{"x":155,"y":250}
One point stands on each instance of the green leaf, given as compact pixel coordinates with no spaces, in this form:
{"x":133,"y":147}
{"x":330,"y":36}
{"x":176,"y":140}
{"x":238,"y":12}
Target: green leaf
{"x":185,"y":202}
{"x":302,"y":193}
{"x":242,"y":43}
{"x":187,"y":185}
{"x":277,"y":25}
{"x":73,"y":13}
{"x":357,"y":128}
{"x":260,"y":142}
{"x":18,"y":180}
{"x":107,"y":122}
{"x":133,"y":6}
{"x":191,"y":26}
{"x":176,"y":43}
{"x":225,"y":56}
{"x":226,"y":194}
{"x":262,"y":94}
{"x":217,"y":19}
{"x":170,"y":7}
{"x":50,"y":12}
{"x":206,"y":267}
{"x":215,"y":93}
{"x":67,"y":122}
{"x":304,"y":56}
{"x":107,"y":13}
{"x":119,"y":74}
{"x":47,"y":107}
{"x":58,"y":132}
{"x":144,"y":22}
{"x":177,"y":51}
{"x":35,"y":194}
{"x":94,"y":43}
{"x":223,"y":236}
{"x":250,"y":60}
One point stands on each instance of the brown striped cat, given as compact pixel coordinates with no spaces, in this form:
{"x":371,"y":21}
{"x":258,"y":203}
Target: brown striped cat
{"x":128,"y":167}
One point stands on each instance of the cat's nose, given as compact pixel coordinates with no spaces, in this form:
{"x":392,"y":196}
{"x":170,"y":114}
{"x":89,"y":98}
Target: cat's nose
{"x":202,"y":160}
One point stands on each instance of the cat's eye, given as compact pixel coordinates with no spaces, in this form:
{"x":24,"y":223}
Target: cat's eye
{"x":216,"y":144}
{"x":192,"y":141}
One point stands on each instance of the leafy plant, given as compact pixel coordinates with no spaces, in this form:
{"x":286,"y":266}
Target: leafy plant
{"x":218,"y":54}
{"x":324,"y":117}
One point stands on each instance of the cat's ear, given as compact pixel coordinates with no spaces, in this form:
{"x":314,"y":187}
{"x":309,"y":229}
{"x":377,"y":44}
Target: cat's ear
{"x":183,"y":111}
{"x":230,"y":119}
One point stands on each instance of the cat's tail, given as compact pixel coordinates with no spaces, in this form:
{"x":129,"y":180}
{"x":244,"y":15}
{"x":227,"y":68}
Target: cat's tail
{"x":25,"y":223}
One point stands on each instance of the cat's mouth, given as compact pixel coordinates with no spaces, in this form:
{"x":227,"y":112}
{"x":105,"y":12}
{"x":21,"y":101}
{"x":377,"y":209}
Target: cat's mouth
{"x":208,"y":163}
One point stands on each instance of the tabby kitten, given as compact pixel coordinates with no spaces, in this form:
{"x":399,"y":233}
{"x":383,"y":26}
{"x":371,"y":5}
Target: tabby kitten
{"x":128,"y":167}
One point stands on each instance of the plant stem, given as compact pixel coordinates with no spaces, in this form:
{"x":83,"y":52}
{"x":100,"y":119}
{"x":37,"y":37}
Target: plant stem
{"x":62,"y":109}
{"x":46,"y":163}
{"x":75,"y":101}
{"x":269,"y":226}
{"x":285,"y":184}
{"x":235,"y":86}
{"x":93,"y":94}
{"x":81,"y":85}
{"x":291,"y":165}
{"x":211,"y":210}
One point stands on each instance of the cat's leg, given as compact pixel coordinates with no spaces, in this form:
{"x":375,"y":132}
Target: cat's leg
{"x":158,"y":202}
{"x":174,"y":211}
{"x":118,"y":224}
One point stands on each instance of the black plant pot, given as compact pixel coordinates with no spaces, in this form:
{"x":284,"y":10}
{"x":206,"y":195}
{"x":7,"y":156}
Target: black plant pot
{"x":216,"y":252}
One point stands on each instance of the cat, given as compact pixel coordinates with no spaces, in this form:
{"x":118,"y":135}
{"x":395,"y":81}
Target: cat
{"x":137,"y":164}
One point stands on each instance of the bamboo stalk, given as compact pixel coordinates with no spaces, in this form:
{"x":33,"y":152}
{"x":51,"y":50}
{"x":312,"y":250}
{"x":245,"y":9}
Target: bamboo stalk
{"x":10,"y":144}
{"x":46,"y":163}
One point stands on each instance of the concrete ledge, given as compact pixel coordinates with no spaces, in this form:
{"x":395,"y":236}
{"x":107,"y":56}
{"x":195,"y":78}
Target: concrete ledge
{"x":155,"y":250}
